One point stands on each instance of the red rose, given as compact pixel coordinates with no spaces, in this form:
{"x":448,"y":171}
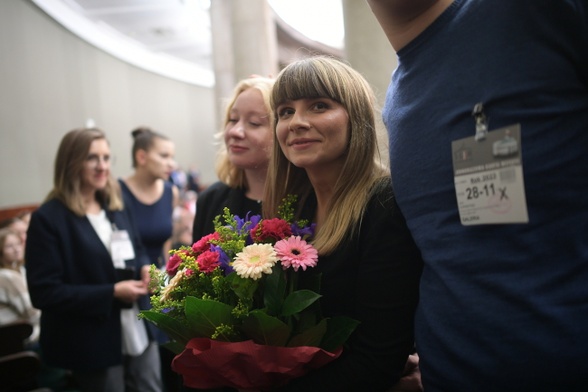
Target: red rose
{"x":208,"y":261}
{"x":271,"y":229}
{"x":172,"y":265}
{"x":203,"y":244}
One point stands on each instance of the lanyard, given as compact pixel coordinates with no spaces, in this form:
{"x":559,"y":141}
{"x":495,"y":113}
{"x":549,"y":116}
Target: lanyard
{"x":481,"y":122}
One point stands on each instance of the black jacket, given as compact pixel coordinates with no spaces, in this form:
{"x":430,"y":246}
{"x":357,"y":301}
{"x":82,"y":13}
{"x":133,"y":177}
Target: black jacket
{"x":71,"y":279}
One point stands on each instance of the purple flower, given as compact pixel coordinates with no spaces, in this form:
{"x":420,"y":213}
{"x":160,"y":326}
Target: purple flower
{"x":224,"y":261}
{"x":303,"y":231}
{"x":244,"y":225}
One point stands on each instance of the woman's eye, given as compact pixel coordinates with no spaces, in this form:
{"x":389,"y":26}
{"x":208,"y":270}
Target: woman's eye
{"x":95,"y":159}
{"x":320,"y":105}
{"x":285,"y":112}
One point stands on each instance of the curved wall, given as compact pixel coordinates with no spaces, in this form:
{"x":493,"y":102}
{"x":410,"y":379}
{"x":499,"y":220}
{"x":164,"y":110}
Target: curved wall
{"x":52,"y":81}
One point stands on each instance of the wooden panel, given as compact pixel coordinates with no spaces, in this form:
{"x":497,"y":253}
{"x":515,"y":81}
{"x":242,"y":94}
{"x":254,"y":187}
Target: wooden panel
{"x":10,"y":212}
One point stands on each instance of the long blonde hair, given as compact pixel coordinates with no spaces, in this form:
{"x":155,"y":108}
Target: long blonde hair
{"x":227,"y":172}
{"x":322,"y":76}
{"x":67,"y":176}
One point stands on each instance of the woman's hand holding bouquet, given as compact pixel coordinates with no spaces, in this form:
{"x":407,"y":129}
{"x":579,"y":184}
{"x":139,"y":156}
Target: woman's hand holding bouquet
{"x":232,"y":307}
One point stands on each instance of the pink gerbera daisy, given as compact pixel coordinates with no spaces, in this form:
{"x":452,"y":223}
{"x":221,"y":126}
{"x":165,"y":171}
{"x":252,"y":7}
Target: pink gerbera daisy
{"x":296,"y":252}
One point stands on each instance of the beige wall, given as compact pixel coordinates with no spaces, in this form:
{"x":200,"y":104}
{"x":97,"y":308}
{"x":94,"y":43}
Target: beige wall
{"x":51,"y":81}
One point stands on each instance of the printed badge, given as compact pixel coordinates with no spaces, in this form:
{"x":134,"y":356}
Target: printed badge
{"x":488,"y":177}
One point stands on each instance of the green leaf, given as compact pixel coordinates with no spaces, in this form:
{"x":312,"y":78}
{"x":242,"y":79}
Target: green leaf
{"x":171,"y":326}
{"x":310,"y":337}
{"x":265,"y":329}
{"x":298,"y":301}
{"x":307,"y":319}
{"x":243,"y":288}
{"x":338,"y":331}
{"x":274,"y":290}
{"x":205,"y":315}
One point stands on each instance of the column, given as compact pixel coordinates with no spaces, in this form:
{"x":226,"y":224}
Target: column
{"x":367,"y":47}
{"x":369,"y":52}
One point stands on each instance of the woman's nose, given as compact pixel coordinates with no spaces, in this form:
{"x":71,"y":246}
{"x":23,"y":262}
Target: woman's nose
{"x":297,"y":122}
{"x":102,"y":163}
{"x":237,"y":130}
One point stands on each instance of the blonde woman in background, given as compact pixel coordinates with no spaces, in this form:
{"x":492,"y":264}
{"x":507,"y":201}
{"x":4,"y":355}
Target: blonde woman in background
{"x":242,"y":163}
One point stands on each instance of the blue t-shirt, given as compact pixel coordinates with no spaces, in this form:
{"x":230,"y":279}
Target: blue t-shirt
{"x":503,"y":307}
{"x":154,"y":221}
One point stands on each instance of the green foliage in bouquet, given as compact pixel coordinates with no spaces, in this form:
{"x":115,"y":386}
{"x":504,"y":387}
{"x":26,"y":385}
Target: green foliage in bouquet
{"x":241,"y":283}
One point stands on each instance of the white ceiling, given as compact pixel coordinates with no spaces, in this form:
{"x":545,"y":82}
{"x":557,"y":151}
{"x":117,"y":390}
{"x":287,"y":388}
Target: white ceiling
{"x":180,"y":28}
{"x":170,"y":37}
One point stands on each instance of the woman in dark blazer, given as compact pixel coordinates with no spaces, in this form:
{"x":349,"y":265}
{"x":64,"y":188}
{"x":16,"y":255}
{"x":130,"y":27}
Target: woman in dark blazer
{"x":86,"y":269}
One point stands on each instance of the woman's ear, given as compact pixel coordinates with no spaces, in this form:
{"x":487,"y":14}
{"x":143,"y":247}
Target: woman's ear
{"x":141,"y":157}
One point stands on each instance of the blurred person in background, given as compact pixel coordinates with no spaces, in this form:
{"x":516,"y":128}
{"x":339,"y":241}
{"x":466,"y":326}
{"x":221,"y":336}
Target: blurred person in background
{"x":15,"y":302}
{"x":151,"y":197}
{"x":246,"y":140}
{"x":86,"y":270}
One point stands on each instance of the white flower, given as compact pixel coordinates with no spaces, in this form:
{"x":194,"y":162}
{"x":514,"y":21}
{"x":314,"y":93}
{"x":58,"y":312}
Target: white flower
{"x":173,"y":283}
{"x":255,"y":260}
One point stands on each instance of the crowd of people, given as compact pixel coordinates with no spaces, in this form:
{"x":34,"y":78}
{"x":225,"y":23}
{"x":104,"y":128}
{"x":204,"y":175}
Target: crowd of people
{"x":463,"y":258}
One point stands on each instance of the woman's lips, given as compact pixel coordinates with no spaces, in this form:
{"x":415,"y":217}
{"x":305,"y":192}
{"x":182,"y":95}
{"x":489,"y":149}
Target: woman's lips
{"x":301,"y":143}
{"x":237,"y":149}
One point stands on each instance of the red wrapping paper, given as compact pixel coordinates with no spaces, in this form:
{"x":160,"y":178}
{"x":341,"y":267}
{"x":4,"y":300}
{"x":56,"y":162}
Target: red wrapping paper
{"x":207,"y":363}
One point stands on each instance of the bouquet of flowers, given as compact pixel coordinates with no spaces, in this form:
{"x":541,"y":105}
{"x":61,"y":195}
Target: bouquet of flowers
{"x":232,"y":306}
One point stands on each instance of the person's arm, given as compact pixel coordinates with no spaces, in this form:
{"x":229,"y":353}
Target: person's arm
{"x":169,"y":243}
{"x":404,"y":20}
{"x":411,"y":378}
{"x":14,"y":294}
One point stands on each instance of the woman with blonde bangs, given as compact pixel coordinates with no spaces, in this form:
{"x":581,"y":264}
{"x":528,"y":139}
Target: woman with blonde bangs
{"x":86,"y":269}
{"x":326,"y":153}
{"x":246,"y":140}
{"x":362,"y":167}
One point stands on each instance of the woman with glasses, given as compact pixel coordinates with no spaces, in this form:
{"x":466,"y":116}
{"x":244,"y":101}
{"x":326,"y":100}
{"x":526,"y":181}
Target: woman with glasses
{"x":86,"y":269}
